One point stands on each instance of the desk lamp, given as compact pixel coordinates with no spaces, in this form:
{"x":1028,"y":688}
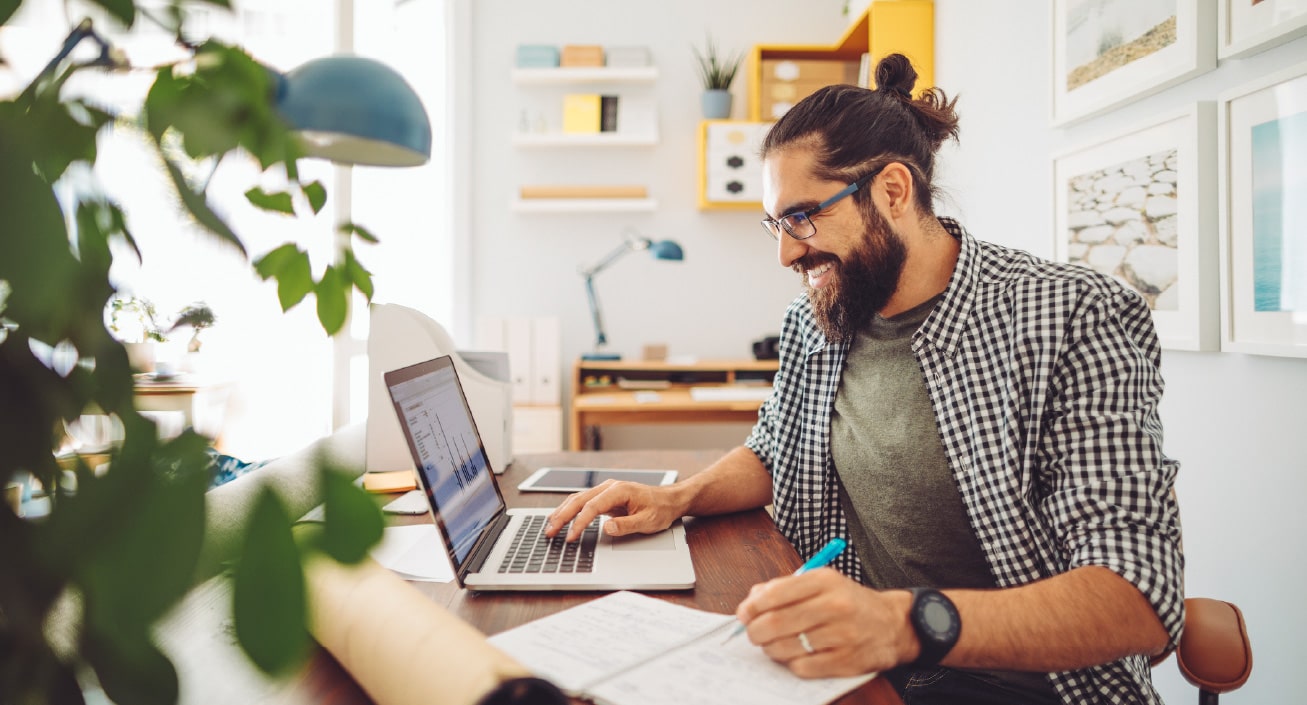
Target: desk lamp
{"x":346,"y":109}
{"x":663,"y":249}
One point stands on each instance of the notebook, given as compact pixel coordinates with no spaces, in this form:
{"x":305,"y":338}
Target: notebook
{"x":492,"y":547}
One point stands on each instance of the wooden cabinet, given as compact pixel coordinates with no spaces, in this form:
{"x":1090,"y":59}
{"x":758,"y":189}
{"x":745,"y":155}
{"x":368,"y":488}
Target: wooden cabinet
{"x":781,"y":74}
{"x":643,"y":392}
{"x":540,"y":127}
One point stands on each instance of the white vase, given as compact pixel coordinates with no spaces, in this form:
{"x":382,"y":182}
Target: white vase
{"x":140,"y":356}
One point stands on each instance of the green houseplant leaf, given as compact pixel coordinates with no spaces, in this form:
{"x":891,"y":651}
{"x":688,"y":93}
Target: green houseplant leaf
{"x":268,"y":589}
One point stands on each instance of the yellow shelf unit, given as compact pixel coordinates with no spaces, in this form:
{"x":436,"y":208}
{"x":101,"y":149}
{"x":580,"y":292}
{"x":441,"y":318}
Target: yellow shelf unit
{"x":886,"y":27}
{"x":730,"y":172}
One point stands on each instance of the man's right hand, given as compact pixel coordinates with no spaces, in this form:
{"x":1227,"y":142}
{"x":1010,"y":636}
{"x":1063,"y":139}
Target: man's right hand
{"x":634,"y":508}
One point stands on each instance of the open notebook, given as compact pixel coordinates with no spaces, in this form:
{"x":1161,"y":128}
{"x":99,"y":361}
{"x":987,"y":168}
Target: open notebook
{"x":631,"y":649}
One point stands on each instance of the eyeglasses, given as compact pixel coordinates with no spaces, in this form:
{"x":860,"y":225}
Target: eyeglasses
{"x":799,"y":225}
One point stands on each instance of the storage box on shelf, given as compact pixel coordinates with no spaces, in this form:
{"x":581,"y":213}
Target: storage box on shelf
{"x":730,"y":174}
{"x":781,"y":75}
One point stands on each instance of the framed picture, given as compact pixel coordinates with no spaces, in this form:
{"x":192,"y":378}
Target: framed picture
{"x":1246,"y":27}
{"x":1106,"y":52}
{"x":1140,"y":207}
{"x":1263,"y":218}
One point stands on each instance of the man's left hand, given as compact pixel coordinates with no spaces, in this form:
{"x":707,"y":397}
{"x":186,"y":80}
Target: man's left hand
{"x":848,"y":629}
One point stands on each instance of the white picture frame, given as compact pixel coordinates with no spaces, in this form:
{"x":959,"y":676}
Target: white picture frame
{"x":1107,"y":52}
{"x":1140,"y":206}
{"x":1263,"y":215}
{"x":1246,"y":27}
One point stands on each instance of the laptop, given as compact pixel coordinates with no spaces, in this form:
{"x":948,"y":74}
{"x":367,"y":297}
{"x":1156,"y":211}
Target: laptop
{"x":492,"y":547}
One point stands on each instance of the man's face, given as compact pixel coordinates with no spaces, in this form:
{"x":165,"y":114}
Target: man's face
{"x":851,"y":266}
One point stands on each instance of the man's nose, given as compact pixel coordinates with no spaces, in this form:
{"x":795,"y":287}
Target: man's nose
{"x":790,"y":250}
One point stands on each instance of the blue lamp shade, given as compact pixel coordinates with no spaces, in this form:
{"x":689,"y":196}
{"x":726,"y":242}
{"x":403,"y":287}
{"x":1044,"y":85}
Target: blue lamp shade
{"x":666,"y":249}
{"x":354,"y":110}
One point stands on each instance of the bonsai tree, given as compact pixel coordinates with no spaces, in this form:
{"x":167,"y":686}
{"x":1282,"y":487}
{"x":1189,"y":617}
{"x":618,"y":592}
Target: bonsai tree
{"x":81,"y":587}
{"x":198,"y":316}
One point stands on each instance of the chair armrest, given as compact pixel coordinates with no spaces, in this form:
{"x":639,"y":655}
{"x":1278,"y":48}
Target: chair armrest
{"x":1215,"y":654}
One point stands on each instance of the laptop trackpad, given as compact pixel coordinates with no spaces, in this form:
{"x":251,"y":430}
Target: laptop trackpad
{"x":661,"y":541}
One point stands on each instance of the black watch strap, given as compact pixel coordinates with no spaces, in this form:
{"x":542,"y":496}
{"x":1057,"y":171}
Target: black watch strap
{"x":937,"y":624}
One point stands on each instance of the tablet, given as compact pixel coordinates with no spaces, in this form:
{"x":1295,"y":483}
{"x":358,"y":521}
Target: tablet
{"x":577,"y":479}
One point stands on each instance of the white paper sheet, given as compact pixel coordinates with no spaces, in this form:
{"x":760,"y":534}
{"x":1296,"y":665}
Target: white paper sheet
{"x":415,"y":553}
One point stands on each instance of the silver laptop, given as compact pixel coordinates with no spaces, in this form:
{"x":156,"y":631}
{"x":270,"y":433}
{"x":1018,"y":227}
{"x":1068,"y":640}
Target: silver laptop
{"x":495,"y":548}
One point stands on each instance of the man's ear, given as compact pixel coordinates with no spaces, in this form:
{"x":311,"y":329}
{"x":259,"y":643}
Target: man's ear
{"x":896,"y":180}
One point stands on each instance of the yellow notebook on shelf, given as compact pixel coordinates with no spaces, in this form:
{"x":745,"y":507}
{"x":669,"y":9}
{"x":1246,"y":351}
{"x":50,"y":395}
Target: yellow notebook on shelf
{"x":581,"y":113}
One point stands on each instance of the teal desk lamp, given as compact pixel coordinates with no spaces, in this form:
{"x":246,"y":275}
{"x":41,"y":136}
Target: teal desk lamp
{"x":663,"y":249}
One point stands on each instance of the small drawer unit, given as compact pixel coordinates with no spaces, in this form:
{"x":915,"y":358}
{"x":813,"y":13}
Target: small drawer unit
{"x":730,"y":174}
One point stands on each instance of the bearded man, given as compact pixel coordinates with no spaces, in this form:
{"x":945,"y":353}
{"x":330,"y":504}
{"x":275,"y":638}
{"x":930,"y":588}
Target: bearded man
{"x":980,"y":425}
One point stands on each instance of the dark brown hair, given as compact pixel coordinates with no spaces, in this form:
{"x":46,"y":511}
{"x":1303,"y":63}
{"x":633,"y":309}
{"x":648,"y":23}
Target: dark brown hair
{"x":856,"y":130}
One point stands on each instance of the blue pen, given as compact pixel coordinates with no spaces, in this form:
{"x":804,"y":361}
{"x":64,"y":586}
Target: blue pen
{"x":821,"y":560}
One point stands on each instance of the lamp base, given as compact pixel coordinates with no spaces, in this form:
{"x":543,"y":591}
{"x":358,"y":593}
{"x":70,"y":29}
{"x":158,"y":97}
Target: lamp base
{"x":601,"y":356}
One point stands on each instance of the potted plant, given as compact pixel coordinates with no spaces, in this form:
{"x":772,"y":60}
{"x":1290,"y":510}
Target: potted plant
{"x":133,"y":321}
{"x":82,"y":588}
{"x":198,"y":316}
{"x":717,"y":73}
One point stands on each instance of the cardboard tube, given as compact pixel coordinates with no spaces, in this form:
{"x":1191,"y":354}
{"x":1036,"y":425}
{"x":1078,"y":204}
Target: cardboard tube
{"x":401,"y":648}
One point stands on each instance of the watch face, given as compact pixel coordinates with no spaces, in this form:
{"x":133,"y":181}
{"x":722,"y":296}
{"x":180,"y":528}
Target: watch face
{"x":937,"y":617}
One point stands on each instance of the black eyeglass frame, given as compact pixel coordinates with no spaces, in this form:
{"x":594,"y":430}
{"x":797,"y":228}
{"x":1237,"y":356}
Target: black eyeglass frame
{"x":787,"y":222}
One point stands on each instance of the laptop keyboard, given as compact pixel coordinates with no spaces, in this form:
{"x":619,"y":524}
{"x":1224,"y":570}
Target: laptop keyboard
{"x":533,"y":552}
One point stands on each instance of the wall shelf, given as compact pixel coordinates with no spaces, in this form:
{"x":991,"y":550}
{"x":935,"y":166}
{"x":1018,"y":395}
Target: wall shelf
{"x":590,"y":139}
{"x":603,"y":74}
{"x":584,"y":205}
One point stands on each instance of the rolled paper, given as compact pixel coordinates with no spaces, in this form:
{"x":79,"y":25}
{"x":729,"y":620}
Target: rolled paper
{"x":401,"y":648}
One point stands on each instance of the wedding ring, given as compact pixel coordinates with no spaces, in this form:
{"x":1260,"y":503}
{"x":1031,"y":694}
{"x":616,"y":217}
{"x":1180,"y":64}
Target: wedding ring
{"x":807,"y":645}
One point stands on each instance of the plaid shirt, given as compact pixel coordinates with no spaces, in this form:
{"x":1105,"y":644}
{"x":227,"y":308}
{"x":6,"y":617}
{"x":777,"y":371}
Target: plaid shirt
{"x":1044,"y":380}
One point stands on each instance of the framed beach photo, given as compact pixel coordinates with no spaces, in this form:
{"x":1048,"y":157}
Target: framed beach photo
{"x":1106,"y":52}
{"x":1263,"y":219}
{"x":1141,"y":207}
{"x":1245,"y":27}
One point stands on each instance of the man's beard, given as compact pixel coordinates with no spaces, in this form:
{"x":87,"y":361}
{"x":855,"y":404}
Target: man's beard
{"x":863,"y":282}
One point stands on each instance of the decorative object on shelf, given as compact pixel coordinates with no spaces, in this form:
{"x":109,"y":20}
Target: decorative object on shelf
{"x":1263,"y":241}
{"x":81,"y":606}
{"x":577,"y":55}
{"x":729,"y":171}
{"x":1140,"y":207}
{"x":197,"y":317}
{"x":627,"y":57}
{"x":632,"y":242}
{"x":1246,"y":28}
{"x":717,"y":73}
{"x":1106,"y":53}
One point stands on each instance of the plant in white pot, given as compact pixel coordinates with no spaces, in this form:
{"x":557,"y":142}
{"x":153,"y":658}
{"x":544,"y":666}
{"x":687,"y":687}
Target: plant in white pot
{"x":133,"y":321}
{"x":717,"y":73}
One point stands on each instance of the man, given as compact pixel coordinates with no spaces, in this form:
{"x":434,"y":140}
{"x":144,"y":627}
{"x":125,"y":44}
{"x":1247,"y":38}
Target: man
{"x":979,"y":424}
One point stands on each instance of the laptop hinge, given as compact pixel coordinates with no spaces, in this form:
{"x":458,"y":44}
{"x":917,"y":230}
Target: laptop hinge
{"x":483,"y":549}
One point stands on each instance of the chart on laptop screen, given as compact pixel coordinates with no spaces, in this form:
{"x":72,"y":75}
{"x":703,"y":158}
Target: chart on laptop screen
{"x":449,"y":453}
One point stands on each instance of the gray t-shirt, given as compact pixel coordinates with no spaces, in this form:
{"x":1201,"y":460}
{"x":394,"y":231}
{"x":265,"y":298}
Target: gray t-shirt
{"x":906,"y":517}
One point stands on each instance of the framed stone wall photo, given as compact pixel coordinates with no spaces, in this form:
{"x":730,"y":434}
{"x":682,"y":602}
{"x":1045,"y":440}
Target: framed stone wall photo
{"x":1106,"y":52}
{"x":1141,"y":207}
{"x":1246,"y":27}
{"x":1263,"y":215}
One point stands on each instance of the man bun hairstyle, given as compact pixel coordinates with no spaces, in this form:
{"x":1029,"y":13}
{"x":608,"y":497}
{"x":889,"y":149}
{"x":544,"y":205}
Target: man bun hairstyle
{"x":855,"y":130}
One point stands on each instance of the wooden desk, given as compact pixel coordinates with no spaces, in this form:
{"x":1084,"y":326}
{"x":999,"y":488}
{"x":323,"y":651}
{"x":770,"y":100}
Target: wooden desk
{"x":603,"y":392}
{"x":731,"y":553}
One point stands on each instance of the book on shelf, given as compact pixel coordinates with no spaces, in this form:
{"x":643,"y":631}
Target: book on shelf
{"x":579,"y":191}
{"x":630,"y":649}
{"x":581,"y":113}
{"x":608,"y":113}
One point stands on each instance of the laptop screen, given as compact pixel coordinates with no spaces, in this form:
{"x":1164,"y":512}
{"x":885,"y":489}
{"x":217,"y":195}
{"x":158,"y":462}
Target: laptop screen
{"x":447,"y":449}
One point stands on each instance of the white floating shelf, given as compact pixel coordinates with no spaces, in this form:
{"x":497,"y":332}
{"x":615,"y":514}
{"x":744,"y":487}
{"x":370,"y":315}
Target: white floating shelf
{"x":590,"y":139}
{"x":598,"y":74}
{"x":584,"y":205}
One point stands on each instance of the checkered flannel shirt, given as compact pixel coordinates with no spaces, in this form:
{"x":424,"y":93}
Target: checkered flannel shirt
{"x":1044,"y":380}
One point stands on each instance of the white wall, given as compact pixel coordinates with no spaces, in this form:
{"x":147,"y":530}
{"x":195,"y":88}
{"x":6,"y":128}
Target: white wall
{"x":1232,"y":420}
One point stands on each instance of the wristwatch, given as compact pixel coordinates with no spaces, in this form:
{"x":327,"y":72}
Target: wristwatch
{"x":937,"y":624}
